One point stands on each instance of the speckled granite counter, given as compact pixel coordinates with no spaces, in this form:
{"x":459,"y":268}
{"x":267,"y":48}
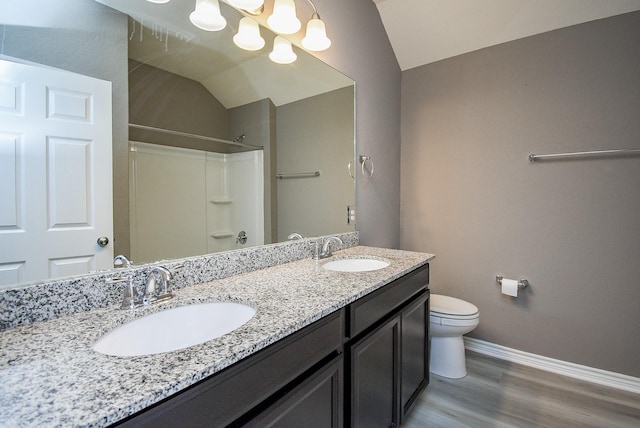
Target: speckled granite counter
{"x":50,"y":376}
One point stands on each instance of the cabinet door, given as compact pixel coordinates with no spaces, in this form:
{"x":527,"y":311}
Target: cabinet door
{"x":375,"y":377}
{"x":414,"y":350}
{"x":317,"y":402}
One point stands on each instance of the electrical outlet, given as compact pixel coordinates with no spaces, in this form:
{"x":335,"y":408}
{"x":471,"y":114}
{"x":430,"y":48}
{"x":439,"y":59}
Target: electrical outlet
{"x":351,"y":214}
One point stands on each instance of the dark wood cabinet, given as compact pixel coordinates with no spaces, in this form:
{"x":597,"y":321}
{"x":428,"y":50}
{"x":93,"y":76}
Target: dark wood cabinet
{"x":316,"y":403}
{"x":414,"y":339}
{"x":389,"y":360}
{"x":361,"y":366}
{"x":374,"y":369}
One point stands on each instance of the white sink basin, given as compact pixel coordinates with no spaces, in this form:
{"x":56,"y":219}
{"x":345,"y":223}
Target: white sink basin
{"x":355,"y":265}
{"x":174,"y":329}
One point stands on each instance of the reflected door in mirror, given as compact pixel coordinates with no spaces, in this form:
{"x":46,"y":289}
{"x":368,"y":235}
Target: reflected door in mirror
{"x":55,"y":173}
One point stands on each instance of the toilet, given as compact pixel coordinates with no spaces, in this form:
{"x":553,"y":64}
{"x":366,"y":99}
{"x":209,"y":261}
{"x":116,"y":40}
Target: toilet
{"x":449,"y":319}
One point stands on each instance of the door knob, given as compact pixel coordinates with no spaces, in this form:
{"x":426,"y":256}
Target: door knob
{"x":103,"y":241}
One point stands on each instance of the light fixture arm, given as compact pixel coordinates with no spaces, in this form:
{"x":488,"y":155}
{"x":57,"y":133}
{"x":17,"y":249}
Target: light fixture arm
{"x":315,"y":11}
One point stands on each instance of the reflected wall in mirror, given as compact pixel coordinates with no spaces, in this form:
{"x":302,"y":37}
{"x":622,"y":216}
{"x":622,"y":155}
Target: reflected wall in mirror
{"x":236,"y":121}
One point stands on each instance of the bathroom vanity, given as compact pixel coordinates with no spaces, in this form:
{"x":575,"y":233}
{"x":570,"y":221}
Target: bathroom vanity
{"x":370,"y":357}
{"x":324,"y":349}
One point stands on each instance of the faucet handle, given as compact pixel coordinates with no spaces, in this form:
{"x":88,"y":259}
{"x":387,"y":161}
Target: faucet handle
{"x":316,"y":250}
{"x":128,"y":291}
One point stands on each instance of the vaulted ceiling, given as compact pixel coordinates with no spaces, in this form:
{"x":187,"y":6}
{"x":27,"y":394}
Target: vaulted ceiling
{"x":425,"y":31}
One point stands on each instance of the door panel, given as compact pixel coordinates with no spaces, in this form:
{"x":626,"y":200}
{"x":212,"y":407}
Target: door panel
{"x":55,"y":173}
{"x":375,"y":378}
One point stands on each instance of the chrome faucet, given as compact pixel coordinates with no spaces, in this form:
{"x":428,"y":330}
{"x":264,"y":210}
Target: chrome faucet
{"x":121,"y":261}
{"x":157,"y":290}
{"x":295,"y":236}
{"x":325,"y":251}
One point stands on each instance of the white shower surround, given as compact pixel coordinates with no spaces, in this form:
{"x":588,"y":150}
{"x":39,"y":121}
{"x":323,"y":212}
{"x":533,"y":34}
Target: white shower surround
{"x":199,"y":200}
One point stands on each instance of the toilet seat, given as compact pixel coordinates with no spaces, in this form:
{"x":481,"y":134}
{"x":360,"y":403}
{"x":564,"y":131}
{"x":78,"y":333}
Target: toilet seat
{"x":452,"y":308}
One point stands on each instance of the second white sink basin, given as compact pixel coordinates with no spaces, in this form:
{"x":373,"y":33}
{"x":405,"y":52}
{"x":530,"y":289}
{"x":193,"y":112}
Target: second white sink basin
{"x":174,"y":329}
{"x":363,"y":264}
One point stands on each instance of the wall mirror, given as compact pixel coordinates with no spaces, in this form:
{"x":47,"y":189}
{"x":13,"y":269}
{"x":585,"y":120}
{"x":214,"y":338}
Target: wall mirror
{"x":214,"y":148}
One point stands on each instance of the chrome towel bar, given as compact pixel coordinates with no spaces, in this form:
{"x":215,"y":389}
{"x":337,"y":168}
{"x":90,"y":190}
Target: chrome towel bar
{"x":592,"y":153}
{"x":298,"y":175}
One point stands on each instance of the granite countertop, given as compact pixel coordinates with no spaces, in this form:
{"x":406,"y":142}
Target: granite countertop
{"x":51,"y":376}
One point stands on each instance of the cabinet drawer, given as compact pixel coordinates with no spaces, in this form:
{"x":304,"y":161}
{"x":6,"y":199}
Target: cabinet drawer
{"x":224,"y":397}
{"x":366,"y":311}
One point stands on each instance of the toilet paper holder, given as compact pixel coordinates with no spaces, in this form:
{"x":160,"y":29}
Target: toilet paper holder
{"x":522,"y":283}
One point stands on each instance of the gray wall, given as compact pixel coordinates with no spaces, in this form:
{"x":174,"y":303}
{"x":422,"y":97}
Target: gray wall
{"x":470,"y":195}
{"x":361,"y":50}
{"x":161,"y":99}
{"x":315,"y":134}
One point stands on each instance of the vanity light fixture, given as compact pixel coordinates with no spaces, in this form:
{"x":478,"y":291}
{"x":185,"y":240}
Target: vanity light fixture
{"x":207,"y":16}
{"x":283,"y":20}
{"x":282,"y":51}
{"x":248,"y":36}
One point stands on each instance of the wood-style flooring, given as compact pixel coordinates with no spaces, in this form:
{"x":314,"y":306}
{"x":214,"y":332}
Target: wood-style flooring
{"x":498,"y":393}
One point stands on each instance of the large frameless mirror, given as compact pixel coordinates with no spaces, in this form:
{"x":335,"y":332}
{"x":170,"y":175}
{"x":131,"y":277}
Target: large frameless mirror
{"x":212,"y":147}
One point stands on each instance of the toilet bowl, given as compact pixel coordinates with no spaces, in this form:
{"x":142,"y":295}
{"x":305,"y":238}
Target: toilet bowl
{"x":449,"y":319}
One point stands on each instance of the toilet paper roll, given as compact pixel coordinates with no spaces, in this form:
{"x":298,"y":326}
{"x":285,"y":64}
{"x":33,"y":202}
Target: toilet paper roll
{"x":510,"y":287}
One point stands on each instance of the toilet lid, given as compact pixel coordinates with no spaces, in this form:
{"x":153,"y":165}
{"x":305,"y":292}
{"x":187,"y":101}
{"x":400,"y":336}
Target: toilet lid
{"x":448,"y":305}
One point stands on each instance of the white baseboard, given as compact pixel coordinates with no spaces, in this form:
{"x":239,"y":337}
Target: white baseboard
{"x":577,"y":371}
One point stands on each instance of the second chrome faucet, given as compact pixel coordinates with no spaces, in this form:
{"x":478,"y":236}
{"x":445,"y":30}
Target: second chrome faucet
{"x":156,"y":288}
{"x":322,"y":251}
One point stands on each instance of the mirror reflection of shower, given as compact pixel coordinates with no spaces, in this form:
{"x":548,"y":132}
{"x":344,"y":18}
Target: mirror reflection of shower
{"x":191,"y":202}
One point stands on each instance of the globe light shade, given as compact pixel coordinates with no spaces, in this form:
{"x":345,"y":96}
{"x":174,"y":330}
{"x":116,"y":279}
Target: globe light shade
{"x":207,"y":16}
{"x":248,"y":36}
{"x":283,"y":20}
{"x":158,"y":1}
{"x":316,"y":37}
{"x":282,"y":51}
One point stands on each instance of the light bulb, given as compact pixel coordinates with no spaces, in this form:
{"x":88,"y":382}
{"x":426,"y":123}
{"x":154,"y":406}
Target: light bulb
{"x":282,"y":51}
{"x":248,"y":36}
{"x":207,"y":16}
{"x":316,"y":37}
{"x":284,"y":19}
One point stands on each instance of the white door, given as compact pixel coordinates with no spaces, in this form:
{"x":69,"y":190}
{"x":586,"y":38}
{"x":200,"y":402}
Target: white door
{"x":55,"y":173}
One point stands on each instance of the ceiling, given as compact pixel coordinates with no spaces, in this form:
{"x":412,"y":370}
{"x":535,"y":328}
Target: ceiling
{"x":425,"y":31}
